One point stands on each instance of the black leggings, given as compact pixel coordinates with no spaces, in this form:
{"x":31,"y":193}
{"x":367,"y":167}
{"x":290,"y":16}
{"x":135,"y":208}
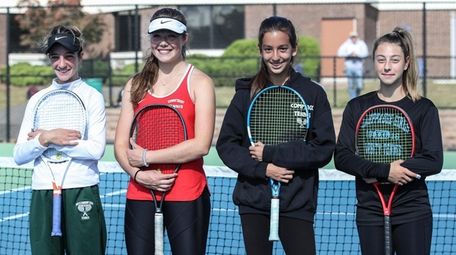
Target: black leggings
{"x":297,"y":236}
{"x":186,"y":224}
{"x":413,"y":238}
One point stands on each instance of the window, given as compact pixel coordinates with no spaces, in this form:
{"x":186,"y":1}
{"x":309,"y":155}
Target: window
{"x":15,"y":33}
{"x":127,"y":25}
{"x":214,"y":27}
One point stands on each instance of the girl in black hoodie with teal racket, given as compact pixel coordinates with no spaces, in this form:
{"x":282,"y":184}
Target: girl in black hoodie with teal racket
{"x":294,"y":164}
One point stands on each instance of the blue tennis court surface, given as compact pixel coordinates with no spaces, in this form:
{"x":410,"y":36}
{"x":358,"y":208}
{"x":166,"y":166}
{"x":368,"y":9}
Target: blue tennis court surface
{"x":335,"y":228}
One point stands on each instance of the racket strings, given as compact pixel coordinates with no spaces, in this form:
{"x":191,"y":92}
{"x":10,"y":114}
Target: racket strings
{"x":158,"y":128}
{"x":385,"y":135}
{"x":60,"y":109}
{"x":278,"y":116}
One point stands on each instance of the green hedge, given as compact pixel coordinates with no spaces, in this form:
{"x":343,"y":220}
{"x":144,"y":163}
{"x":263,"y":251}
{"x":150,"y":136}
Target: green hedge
{"x":24,"y":74}
{"x":240,"y":59}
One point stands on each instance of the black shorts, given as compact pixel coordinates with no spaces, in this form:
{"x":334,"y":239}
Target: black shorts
{"x":186,"y":224}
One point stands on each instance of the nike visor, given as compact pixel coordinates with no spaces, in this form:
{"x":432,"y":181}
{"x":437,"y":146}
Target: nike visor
{"x":167,"y":24}
{"x":66,"y":40}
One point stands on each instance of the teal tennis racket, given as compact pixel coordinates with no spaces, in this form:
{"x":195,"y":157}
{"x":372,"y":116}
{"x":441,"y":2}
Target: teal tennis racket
{"x":277,"y":114}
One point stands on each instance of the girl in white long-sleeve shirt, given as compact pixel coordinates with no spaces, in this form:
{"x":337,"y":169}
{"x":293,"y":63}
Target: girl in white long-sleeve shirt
{"x":84,"y":231}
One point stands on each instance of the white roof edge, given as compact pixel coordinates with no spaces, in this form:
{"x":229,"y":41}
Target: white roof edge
{"x":106,"y":6}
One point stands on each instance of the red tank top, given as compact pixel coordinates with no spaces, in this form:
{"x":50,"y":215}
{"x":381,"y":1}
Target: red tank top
{"x":191,"y":180}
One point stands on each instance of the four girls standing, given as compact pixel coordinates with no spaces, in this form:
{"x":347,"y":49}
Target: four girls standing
{"x":168,"y":79}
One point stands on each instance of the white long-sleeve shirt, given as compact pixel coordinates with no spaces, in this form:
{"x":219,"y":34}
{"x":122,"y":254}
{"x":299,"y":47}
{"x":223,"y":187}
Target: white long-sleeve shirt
{"x":354,"y":53}
{"x":83,"y":170}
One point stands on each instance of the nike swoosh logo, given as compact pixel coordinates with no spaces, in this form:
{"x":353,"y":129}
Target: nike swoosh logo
{"x":164,"y":21}
{"x":58,"y":38}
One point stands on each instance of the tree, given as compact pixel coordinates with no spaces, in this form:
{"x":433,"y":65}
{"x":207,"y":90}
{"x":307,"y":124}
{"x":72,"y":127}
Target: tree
{"x":37,"y":20}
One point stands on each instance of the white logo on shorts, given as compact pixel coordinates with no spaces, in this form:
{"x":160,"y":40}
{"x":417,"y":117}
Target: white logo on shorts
{"x":84,"y":207}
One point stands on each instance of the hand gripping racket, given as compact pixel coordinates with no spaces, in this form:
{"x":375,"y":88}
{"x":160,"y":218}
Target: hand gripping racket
{"x":277,"y":114}
{"x":158,"y":127}
{"x":384,"y":133}
{"x":59,"y":109}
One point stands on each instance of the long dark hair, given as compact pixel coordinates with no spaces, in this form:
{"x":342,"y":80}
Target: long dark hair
{"x":274,"y":23}
{"x":403,"y":39}
{"x":142,"y":81}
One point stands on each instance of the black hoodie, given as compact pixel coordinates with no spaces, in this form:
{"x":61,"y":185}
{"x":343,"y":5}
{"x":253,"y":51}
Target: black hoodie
{"x":298,"y":198}
{"x":412,"y":200}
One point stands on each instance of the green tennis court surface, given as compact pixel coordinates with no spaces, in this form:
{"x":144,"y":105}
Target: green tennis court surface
{"x":335,"y":228}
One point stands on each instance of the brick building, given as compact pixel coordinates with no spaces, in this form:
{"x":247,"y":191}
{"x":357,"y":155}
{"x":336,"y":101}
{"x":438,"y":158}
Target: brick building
{"x":213,"y":26}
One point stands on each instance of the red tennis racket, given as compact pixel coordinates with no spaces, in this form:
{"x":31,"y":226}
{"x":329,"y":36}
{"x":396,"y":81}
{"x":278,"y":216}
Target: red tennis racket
{"x":384,"y":133}
{"x":158,"y":127}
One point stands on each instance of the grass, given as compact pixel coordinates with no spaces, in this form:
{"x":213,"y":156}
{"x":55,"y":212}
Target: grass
{"x":18,"y":95}
{"x":223,"y":96}
{"x":441,"y":93}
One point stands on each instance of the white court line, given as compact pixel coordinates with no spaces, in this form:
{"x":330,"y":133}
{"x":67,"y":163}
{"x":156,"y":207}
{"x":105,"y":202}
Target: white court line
{"x":336,"y":213}
{"x":13,"y":217}
{"x":114,"y":205}
{"x":224,"y":210}
{"x":6,"y":192}
{"x":115,"y":193}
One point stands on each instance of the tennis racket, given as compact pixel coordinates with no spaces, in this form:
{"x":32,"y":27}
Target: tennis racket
{"x":384,"y":133}
{"x":158,"y":127}
{"x":277,"y":114}
{"x":59,"y":109}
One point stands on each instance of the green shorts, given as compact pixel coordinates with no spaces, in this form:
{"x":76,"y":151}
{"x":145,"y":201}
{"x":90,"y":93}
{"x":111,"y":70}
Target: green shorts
{"x":83,"y":223}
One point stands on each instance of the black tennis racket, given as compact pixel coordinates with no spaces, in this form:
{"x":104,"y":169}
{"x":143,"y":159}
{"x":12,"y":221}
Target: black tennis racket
{"x":59,"y":109}
{"x":158,"y":127}
{"x":384,"y":133}
{"x":277,"y":114}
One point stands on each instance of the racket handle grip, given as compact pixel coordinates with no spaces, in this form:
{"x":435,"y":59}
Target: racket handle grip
{"x":274,"y":220}
{"x":388,"y":244}
{"x":56,"y":214}
{"x":158,"y":231}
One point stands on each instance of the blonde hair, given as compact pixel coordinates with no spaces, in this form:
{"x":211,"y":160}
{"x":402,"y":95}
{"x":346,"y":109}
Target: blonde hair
{"x":403,"y":39}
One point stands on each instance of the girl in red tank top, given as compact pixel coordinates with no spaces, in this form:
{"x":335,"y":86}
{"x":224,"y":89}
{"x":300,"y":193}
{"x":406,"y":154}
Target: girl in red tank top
{"x":191,"y":180}
{"x":167,"y":79}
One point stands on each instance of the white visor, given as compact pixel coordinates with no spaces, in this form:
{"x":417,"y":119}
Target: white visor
{"x":168,"y":24}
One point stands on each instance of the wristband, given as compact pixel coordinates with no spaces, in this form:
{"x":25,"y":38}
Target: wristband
{"x":144,"y":158}
{"x":134,"y":177}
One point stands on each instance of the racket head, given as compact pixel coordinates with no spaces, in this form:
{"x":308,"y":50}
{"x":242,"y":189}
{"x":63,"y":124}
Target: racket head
{"x":60,"y":108}
{"x":384,"y":133}
{"x":158,"y":126}
{"x":277,"y":114}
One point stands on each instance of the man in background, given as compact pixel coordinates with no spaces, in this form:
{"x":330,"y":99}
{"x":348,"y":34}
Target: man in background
{"x":354,"y":50}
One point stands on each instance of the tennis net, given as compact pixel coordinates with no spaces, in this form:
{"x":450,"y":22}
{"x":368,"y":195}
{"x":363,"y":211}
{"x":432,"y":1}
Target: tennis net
{"x":335,"y":229}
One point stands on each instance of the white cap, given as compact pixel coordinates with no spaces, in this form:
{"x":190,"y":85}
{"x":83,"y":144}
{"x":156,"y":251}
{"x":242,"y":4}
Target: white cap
{"x":167,"y":24}
{"x":353,"y":34}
